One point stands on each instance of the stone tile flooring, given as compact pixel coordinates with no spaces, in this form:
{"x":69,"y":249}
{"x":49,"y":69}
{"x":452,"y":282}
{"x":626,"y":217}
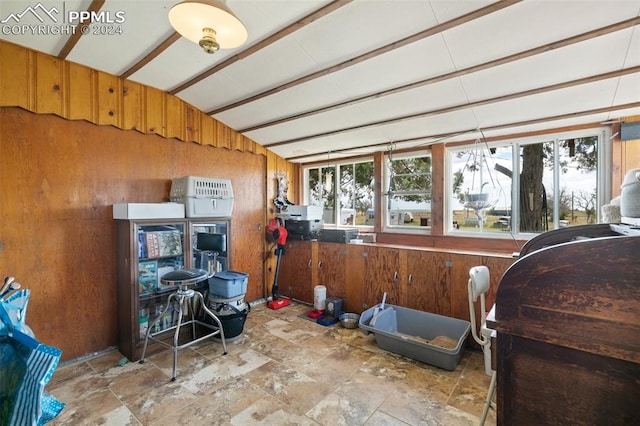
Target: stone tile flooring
{"x":283,"y":370}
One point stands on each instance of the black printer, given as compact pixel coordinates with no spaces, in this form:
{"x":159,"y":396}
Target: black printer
{"x":303,"y":229}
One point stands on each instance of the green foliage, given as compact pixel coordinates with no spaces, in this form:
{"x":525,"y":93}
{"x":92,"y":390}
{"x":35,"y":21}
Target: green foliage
{"x":582,"y":151}
{"x":411,"y":179}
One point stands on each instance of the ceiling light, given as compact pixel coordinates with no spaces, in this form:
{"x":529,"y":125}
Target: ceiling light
{"x":210,"y":23}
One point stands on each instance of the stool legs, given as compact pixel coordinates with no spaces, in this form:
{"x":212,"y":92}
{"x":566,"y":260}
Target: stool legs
{"x":490,"y":393}
{"x":181,"y":298}
{"x":214,"y":318}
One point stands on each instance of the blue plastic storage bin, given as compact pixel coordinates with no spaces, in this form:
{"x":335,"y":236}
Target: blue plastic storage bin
{"x":228,"y":284}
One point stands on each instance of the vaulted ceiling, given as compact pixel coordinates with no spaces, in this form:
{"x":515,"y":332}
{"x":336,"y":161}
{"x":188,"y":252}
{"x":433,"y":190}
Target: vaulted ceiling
{"x":321,"y":79}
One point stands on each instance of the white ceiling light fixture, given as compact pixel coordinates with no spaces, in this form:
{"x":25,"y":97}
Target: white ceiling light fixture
{"x":210,"y":23}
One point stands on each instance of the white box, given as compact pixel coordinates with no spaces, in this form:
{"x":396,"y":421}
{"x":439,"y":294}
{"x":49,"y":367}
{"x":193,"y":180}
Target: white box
{"x":304,"y":212}
{"x":206,"y":207}
{"x":148,"y":211}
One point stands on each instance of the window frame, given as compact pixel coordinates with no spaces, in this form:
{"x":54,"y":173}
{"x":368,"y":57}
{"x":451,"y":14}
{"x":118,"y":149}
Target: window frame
{"x":603,"y":178}
{"x":387,"y":226}
{"x":337,"y":166}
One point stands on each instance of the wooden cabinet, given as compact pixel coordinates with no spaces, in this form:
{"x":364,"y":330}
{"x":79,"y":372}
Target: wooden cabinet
{"x":355,"y":278}
{"x":148,"y":249}
{"x":360,"y":274}
{"x":296,"y":271}
{"x":568,"y":329}
{"x":331,"y":268}
{"x":428,"y":282}
{"x":382,"y":274}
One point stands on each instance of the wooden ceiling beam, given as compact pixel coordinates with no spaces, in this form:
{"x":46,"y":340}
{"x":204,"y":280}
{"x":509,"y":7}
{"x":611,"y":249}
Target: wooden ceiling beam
{"x":436,"y":138}
{"x":494,"y":7}
{"x":80,"y":30}
{"x":312,"y":17}
{"x":475,"y":68}
{"x":151,"y":55}
{"x":530,"y":92}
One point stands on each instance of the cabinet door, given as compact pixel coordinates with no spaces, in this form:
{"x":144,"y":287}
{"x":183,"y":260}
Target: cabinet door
{"x":295,"y":278}
{"x":460,"y":265}
{"x":146,"y":251}
{"x":210,"y":245}
{"x":161,"y":249}
{"x":382,"y":274}
{"x":355,"y":279}
{"x":331,"y":268}
{"x":428,"y":281}
{"x":497,"y":267}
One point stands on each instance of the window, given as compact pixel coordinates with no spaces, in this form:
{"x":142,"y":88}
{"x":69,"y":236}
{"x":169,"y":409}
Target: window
{"x":350,"y":184}
{"x":527,"y":186}
{"x":408,"y":191}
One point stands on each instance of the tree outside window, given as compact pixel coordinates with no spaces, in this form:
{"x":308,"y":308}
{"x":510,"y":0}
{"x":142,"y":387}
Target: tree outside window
{"x":349,"y":183}
{"x":408,"y":181}
{"x":552,"y":175}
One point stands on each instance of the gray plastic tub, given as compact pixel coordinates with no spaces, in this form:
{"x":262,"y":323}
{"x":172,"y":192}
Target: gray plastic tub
{"x":408,"y":332}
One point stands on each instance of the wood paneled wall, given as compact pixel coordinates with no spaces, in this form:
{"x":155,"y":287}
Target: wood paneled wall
{"x":74,"y":141}
{"x":58,"y":181}
{"x":44,"y":84}
{"x":275,"y":166}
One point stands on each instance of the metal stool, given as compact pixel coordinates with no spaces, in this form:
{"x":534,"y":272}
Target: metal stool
{"x":184,"y":296}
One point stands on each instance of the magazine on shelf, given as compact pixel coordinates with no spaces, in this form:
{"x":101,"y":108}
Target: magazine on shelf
{"x":147,"y":277}
{"x":163,"y":243}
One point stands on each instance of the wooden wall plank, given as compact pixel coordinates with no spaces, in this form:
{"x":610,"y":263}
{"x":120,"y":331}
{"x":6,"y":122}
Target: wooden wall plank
{"x":207,"y":132}
{"x":49,"y":79}
{"x":174,"y":118}
{"x":109,"y":99}
{"x":155,"y":111}
{"x":192,"y":124}
{"x":15,"y":67}
{"x":237,"y":142}
{"x":249,"y":145}
{"x":81,"y":98}
{"x":133,"y":116}
{"x":221,"y":139}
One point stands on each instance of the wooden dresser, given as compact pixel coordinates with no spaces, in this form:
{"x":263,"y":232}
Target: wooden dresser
{"x":567,"y":317}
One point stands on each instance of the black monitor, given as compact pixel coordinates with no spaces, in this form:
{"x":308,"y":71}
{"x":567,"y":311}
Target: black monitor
{"x":212,"y":242}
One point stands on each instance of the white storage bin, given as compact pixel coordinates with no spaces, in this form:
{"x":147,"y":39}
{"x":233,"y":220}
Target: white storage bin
{"x":203,"y":197}
{"x":148,"y":211}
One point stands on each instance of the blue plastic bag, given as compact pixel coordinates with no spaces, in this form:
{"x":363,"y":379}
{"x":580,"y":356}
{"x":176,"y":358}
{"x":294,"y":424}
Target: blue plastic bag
{"x":26,"y":366}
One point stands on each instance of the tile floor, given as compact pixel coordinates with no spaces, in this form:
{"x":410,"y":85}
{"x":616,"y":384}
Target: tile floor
{"x":282,"y":370}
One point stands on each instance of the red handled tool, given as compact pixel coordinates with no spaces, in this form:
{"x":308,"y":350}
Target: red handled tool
{"x":277,"y":233}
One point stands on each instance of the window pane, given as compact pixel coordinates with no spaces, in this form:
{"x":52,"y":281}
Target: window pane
{"x":356,"y":196}
{"x":536,"y":165}
{"x":577,"y":191}
{"x":409,"y":196}
{"x":328,"y":175}
{"x":481,"y":189}
{"x":314,"y":187}
{"x":351,"y":184}
{"x":555,"y":182}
